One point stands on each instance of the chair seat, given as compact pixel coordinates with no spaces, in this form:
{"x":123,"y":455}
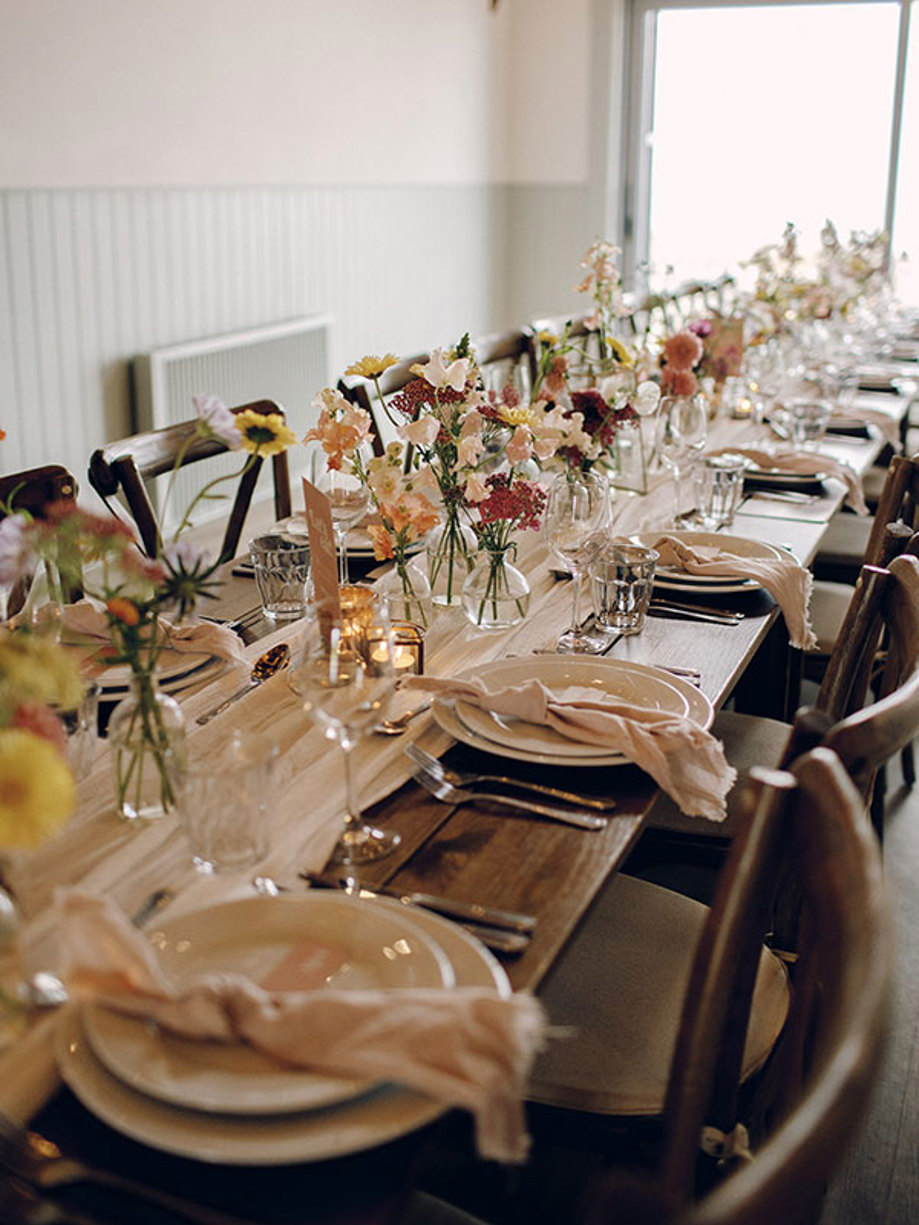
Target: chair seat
{"x":829,"y":602}
{"x":618,"y":987}
{"x":843,"y":547}
{"x":748,"y":741}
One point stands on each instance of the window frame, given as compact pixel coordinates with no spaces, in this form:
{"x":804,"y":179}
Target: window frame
{"x":640,"y":47}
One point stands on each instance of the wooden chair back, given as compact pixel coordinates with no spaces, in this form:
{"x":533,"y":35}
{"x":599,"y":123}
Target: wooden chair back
{"x":362,"y":392}
{"x":32,"y":491}
{"x":821,"y":1073}
{"x":898,"y":502}
{"x":124,"y":467}
{"x":506,"y":358}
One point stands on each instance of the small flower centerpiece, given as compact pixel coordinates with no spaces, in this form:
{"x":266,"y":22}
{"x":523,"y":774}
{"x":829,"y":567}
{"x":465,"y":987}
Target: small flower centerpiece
{"x":130,"y":596}
{"x":496,"y":595}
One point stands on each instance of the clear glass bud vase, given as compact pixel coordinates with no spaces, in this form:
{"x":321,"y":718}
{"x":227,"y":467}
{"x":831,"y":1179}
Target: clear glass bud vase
{"x":496,"y":595}
{"x":451,"y":554}
{"x":147,"y":737}
{"x":408,"y":593}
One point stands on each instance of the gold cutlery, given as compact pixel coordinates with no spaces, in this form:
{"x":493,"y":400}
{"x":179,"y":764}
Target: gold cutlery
{"x":395,"y":727}
{"x":266,"y":666}
{"x":437,"y":769}
{"x":448,"y":794}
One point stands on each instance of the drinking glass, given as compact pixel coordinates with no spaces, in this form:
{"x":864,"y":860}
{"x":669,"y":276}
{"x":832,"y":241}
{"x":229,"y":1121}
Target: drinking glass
{"x":349,"y":501}
{"x":343,"y":675}
{"x":681,"y":432}
{"x":577,"y":515}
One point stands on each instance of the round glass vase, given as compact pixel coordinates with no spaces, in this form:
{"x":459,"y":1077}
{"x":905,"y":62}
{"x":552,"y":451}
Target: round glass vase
{"x":451,"y":555}
{"x":147,"y":737}
{"x":407,"y":592}
{"x":496,"y":595}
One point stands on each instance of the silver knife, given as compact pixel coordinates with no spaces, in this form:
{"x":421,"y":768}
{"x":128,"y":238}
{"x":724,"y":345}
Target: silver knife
{"x":691,"y":614}
{"x":464,"y":912}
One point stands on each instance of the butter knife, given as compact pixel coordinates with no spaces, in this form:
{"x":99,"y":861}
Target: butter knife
{"x":464,"y":912}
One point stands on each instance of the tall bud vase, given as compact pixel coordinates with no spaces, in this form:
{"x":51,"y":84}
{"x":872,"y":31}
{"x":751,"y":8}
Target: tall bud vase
{"x":451,"y":555}
{"x":147,"y":737}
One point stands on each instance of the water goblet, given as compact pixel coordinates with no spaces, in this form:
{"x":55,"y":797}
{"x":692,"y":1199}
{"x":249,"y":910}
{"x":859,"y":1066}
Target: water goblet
{"x":349,"y":500}
{"x":577,"y":516}
{"x":343,"y":675}
{"x":682,"y":429}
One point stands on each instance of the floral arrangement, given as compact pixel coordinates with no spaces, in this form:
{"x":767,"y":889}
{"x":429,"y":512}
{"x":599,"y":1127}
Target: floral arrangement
{"x":133,"y":591}
{"x":722,"y":347}
{"x":37,"y":790}
{"x":452,"y":434}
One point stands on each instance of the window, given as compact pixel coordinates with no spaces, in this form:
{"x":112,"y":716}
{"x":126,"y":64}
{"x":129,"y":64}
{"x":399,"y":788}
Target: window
{"x":748,"y":116}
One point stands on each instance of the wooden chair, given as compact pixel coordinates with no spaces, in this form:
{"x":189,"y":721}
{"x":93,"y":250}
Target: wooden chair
{"x":885,"y":605}
{"x":815,"y":1091}
{"x":362,"y":392}
{"x":506,"y":358}
{"x":125,"y":465}
{"x":32,"y":491}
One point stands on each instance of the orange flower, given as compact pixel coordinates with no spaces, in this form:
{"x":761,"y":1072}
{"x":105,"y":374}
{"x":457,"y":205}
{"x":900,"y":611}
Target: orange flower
{"x":381,"y":540}
{"x":123,"y":610}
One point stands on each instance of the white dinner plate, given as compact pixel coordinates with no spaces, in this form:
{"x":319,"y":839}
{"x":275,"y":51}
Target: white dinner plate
{"x":358,"y":1124}
{"x":637,"y":683}
{"x":315,"y":940}
{"x":673,"y":579}
{"x":174,"y":670}
{"x":359,"y":545}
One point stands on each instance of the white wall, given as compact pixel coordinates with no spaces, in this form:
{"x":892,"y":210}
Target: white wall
{"x":177,"y":168}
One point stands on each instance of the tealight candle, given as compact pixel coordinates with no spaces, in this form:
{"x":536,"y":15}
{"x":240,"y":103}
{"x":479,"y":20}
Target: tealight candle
{"x":408,"y":655}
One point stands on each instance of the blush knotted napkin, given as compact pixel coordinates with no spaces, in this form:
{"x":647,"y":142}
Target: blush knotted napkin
{"x":685,"y":761}
{"x":788,"y":583}
{"x":806,"y":462}
{"x":886,"y":424}
{"x":465,"y":1047}
{"x":87,"y":619}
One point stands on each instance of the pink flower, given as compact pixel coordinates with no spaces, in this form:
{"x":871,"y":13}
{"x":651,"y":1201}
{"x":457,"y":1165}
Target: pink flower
{"x":218,"y":419}
{"x":438,"y":373}
{"x":475,"y":490}
{"x":520,"y":447}
{"x":422,"y":432}
{"x":679,"y":382}
{"x":682,"y":350}
{"x":35,"y":717}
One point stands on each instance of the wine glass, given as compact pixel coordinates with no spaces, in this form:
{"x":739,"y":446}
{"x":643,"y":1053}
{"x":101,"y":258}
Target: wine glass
{"x":349,"y":500}
{"x":343,"y":675}
{"x":681,"y":433}
{"x":577,"y":512}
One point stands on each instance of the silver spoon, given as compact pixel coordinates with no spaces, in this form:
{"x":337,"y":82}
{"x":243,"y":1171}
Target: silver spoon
{"x":266,"y":666}
{"x":395,"y":727}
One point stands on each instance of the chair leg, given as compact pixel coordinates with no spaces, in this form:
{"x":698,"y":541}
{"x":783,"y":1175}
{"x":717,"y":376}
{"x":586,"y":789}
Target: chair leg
{"x":878,"y":803}
{"x":908,"y":765}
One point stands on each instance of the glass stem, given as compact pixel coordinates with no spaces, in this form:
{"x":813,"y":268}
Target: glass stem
{"x":576,"y":603}
{"x":676,"y":496}
{"x":343,"y":556}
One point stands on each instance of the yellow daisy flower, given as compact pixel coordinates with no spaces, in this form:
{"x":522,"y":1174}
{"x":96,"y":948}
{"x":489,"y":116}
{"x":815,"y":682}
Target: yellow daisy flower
{"x":547,"y":338}
{"x":33,"y":667}
{"x":619,"y":351}
{"x":264,"y":433}
{"x":521,"y":415}
{"x":37,"y":791}
{"x":372,"y":367}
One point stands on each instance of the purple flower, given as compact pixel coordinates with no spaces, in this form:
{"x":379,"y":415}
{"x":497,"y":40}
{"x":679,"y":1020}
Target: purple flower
{"x":16,"y":553}
{"x":218,"y":420}
{"x":701,"y":327}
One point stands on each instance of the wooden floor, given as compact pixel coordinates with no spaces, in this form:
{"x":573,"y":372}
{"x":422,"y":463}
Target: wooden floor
{"x":879,"y":1181}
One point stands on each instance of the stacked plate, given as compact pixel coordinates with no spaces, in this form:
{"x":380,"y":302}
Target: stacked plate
{"x":671,"y":578}
{"x":229,"y":1104}
{"x":637,"y":685}
{"x":176,"y":670}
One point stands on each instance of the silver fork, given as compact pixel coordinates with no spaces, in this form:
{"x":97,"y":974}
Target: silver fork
{"x":448,"y":794}
{"x":438,"y":770}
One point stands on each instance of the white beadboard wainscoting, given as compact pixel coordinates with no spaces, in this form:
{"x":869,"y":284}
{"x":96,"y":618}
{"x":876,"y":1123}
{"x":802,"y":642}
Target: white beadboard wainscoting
{"x":91,"y":278}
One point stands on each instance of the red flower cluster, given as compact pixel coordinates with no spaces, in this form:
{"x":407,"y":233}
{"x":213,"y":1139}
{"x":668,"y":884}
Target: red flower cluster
{"x":419,"y":394}
{"x":519,"y":503}
{"x":599,"y":418}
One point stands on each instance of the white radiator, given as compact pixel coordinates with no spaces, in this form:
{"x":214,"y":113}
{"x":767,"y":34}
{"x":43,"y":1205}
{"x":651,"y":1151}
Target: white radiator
{"x":287,"y":362}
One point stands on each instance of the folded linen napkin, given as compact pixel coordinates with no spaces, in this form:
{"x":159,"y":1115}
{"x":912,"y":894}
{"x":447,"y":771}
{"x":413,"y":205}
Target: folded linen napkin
{"x":887,"y":425}
{"x":464,"y":1046}
{"x":685,"y":761}
{"x":87,"y":618}
{"x":806,"y":462}
{"x":788,"y":583}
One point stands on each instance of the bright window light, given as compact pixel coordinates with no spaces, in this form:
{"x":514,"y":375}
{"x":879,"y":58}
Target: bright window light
{"x":764,"y":115}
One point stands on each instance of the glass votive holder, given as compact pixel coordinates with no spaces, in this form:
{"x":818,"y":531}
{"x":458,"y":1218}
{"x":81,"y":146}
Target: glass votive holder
{"x":621,"y":581}
{"x":736,"y":398}
{"x":408,"y":649}
{"x":718,"y":484}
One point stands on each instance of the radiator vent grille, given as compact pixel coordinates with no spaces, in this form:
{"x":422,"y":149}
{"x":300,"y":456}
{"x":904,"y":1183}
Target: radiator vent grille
{"x":287,"y":362}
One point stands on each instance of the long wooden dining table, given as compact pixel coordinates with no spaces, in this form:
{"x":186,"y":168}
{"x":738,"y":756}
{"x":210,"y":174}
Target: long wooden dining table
{"x":471,"y":852}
